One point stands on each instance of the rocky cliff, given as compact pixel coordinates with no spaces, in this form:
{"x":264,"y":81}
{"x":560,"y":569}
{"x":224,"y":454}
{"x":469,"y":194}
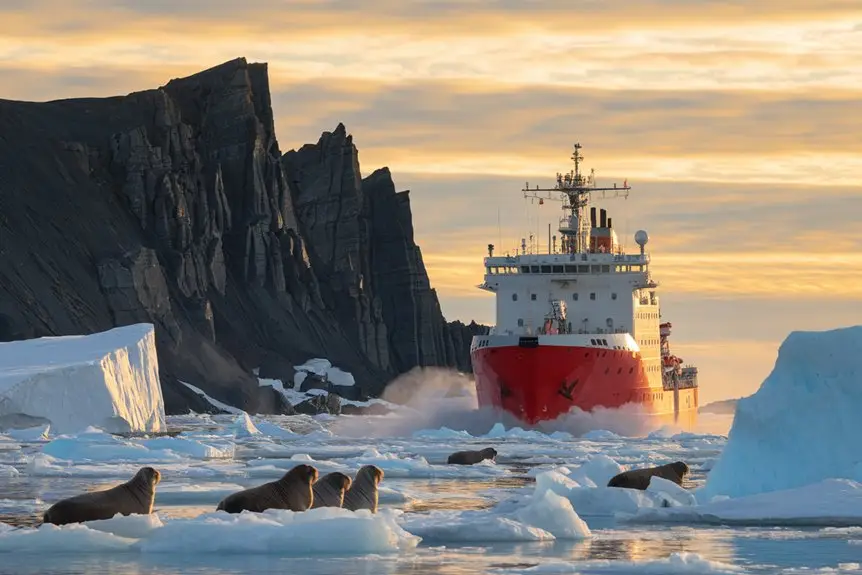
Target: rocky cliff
{"x":361,"y":246}
{"x":175,"y":206}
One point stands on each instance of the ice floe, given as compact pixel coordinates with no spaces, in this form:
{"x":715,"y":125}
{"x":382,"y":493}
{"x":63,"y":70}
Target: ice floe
{"x":109,"y":379}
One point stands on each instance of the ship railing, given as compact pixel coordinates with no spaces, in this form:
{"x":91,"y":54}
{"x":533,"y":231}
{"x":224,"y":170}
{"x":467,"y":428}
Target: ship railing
{"x":686,"y":381}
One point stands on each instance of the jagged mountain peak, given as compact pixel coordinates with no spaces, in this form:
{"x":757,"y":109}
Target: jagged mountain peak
{"x":175,"y":206}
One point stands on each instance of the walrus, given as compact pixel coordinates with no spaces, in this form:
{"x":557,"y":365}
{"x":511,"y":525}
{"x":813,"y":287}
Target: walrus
{"x":293,"y":491}
{"x":471,"y":457}
{"x":639,"y":478}
{"x":363,"y":491}
{"x":329,"y":490}
{"x":135,"y":496}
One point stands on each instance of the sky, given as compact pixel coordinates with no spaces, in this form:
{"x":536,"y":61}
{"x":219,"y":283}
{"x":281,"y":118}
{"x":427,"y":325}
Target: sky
{"x":738,"y":124}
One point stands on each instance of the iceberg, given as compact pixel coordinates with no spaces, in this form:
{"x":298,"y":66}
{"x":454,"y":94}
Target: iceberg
{"x":802,"y":426}
{"x":108,"y":380}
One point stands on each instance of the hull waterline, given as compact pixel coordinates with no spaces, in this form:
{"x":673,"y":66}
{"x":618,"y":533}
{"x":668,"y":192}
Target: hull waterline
{"x":544,"y":382}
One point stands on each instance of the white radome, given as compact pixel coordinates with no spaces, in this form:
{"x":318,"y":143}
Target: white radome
{"x":641,"y":237}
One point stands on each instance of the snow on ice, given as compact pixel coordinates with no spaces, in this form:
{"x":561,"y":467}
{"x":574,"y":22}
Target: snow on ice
{"x":316,"y":531}
{"x":324,"y":369}
{"x":213,"y":401}
{"x":108,"y":379}
{"x":833,"y":502}
{"x":803,"y":425}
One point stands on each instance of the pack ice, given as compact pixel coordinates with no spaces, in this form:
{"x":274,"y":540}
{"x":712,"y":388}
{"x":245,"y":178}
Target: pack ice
{"x":803,"y":425}
{"x":108,"y":380}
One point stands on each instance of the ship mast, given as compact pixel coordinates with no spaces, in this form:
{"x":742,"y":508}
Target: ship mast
{"x":575,"y":191}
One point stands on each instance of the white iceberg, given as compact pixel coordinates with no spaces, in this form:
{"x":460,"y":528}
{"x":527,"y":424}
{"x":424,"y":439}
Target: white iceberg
{"x":803,"y":424}
{"x":109,"y":380}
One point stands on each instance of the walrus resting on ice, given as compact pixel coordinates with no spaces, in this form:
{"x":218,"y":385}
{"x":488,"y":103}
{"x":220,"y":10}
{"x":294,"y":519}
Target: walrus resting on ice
{"x":329,"y":490}
{"x":363,"y":491}
{"x":135,"y":496}
{"x":292,"y":491}
{"x":639,"y":478}
{"x":471,"y":457}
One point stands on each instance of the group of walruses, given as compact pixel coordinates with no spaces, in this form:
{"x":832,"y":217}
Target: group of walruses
{"x":299,"y":489}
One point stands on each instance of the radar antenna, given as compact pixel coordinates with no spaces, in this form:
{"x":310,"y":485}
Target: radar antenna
{"x":575,"y":191}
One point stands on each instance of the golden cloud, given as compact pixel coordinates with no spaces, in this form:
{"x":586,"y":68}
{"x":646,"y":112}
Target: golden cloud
{"x":782,"y":275}
{"x":782,"y":46}
{"x":435,"y":18}
{"x":439,"y":128}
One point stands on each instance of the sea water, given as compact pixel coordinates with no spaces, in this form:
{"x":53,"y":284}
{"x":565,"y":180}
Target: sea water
{"x":452,"y":507}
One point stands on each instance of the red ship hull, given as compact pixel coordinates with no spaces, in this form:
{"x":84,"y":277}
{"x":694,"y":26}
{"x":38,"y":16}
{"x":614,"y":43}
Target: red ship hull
{"x":543,"y":382}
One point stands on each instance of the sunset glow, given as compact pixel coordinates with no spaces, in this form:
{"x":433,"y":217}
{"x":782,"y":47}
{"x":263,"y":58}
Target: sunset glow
{"x":737,"y":124}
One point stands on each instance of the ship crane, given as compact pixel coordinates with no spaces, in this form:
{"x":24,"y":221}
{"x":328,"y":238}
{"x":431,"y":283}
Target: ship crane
{"x":575,"y":191}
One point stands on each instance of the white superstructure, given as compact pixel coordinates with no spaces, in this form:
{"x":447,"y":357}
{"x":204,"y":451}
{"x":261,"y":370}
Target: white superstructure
{"x":586,"y":293}
{"x":588,"y":286}
{"x":578,"y":326}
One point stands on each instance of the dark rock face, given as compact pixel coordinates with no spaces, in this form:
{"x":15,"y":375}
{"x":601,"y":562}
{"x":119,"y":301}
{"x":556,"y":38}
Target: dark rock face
{"x":168,"y":206}
{"x":329,"y":403}
{"x":373,"y":409}
{"x":332,"y":212}
{"x":364,"y":254}
{"x":462,"y":337}
{"x":175,"y":207}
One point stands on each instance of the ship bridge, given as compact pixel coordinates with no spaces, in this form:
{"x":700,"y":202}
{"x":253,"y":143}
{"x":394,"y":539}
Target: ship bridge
{"x":563,"y":265}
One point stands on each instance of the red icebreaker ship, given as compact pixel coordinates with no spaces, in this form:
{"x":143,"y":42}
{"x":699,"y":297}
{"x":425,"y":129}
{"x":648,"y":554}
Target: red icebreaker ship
{"x":579,"y":326}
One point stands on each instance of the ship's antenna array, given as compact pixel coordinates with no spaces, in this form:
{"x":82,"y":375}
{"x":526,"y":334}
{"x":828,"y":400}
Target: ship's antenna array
{"x":575,"y":191}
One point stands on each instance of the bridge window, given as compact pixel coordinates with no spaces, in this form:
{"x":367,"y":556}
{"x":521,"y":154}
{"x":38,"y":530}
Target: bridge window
{"x":595,"y":269}
{"x":533,"y":297}
{"x":593,"y":295}
{"x":606,"y":269}
{"x":520,"y":322}
{"x":514,"y":297}
{"x":558,"y":269}
{"x":546,"y":269}
{"x":525,"y":269}
{"x":613,"y":296}
{"x":571,"y":269}
{"x":575,"y":296}
{"x":583,"y":269}
{"x":534,"y":269}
